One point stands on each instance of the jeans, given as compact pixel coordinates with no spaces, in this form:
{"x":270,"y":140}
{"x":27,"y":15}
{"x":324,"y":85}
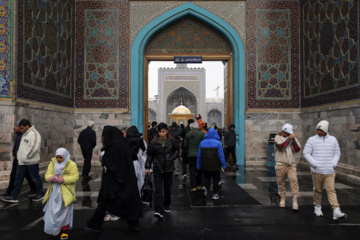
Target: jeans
{"x":195,"y":175}
{"x":87,"y":154}
{"x":215,"y":176}
{"x":13,"y":175}
{"x":232,"y":151}
{"x":21,"y":171}
{"x":162,"y":197}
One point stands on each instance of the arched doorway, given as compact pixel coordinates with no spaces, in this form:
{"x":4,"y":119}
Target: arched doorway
{"x":180,"y":96}
{"x":214,"y":117}
{"x":236,"y":61}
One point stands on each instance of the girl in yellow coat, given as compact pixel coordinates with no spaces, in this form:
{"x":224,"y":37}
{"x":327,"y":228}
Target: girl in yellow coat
{"x":62,"y":175}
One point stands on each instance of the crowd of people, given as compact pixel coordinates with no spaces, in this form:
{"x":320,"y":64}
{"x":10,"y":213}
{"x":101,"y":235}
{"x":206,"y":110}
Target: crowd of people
{"x":126,"y":158}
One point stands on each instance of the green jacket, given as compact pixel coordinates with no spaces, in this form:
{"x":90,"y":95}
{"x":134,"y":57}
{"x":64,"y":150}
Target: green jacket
{"x":70,"y":175}
{"x":192,"y":141}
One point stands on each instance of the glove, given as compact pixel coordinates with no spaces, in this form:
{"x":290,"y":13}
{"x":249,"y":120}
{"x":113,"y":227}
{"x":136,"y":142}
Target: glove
{"x":52,"y":179}
{"x":60,"y":180}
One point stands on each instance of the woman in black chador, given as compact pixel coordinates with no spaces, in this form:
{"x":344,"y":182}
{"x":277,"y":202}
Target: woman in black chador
{"x":118,"y":192}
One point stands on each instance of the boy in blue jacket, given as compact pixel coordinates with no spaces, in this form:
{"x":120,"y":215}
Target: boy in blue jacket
{"x":211,"y":160}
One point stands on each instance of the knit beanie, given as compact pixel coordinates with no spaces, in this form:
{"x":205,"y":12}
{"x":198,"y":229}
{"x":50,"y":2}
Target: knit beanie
{"x":198,"y":116}
{"x":323,"y":125}
{"x":288,"y":128}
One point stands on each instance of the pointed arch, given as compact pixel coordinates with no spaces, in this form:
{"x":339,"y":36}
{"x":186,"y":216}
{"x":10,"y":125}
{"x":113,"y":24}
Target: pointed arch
{"x":218,"y":25}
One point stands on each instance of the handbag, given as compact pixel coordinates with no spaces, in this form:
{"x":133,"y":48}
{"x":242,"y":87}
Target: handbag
{"x":147,"y":191}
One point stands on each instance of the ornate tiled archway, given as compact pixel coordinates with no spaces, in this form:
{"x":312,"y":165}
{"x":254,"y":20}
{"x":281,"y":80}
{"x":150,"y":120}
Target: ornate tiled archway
{"x":218,"y":25}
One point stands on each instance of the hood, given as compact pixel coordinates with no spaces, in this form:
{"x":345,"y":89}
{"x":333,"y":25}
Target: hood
{"x":132,"y":132}
{"x":231,"y":125}
{"x":110,"y":134}
{"x":212,"y":134}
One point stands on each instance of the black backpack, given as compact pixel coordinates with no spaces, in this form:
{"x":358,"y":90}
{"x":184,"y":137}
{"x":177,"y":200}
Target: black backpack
{"x":147,"y":190}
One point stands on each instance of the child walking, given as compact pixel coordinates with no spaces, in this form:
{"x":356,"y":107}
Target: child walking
{"x":62,"y":174}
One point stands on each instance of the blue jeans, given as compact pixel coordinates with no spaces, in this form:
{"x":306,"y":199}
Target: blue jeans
{"x":21,"y":171}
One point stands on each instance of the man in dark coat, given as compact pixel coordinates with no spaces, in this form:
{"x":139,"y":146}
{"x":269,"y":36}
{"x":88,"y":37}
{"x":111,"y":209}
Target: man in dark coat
{"x":184,"y":157}
{"x":15,"y":164}
{"x":162,"y":152}
{"x":176,"y":132}
{"x":152,"y":132}
{"x":230,"y":144}
{"x":87,"y":141}
{"x":118,"y":192}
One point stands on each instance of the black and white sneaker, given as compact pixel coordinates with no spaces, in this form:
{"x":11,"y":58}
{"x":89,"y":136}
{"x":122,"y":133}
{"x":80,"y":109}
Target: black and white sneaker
{"x":184,"y":178}
{"x":31,"y":194}
{"x":167,"y":209}
{"x":5,"y":194}
{"x":10,"y":199}
{"x":158,"y":215}
{"x":38,"y":198}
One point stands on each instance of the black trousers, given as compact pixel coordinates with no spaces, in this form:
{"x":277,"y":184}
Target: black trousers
{"x":184,"y":162}
{"x":215,"y":176}
{"x":232,"y":151}
{"x":97,"y":219}
{"x":87,"y":154}
{"x":162,"y":197}
{"x":195,"y":175}
{"x":13,"y":175}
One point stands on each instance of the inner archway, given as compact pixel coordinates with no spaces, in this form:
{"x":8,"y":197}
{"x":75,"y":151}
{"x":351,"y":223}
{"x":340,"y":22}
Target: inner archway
{"x":237,"y":63}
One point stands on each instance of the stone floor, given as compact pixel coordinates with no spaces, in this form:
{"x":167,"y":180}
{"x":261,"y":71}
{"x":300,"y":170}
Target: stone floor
{"x":248,"y":209}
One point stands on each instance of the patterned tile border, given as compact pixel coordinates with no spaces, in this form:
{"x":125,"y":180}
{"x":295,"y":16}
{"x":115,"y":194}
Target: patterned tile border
{"x":124,"y":94}
{"x":5,"y":47}
{"x":252,"y":72}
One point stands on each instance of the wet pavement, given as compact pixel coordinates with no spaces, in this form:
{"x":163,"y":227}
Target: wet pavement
{"x":248,"y":209}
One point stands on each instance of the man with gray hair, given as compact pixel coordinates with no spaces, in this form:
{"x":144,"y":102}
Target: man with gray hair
{"x":323,"y":153}
{"x":87,"y":141}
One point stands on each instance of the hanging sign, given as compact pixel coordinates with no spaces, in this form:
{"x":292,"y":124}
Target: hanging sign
{"x":187,"y":59}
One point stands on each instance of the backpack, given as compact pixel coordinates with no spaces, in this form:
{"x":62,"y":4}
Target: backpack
{"x":147,"y":191}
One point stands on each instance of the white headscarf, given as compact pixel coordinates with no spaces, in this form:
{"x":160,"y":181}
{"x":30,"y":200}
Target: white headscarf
{"x":59,"y":167}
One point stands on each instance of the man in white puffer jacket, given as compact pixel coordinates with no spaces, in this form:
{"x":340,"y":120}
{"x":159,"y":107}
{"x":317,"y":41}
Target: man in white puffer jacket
{"x":323,"y":153}
{"x":28,"y":156}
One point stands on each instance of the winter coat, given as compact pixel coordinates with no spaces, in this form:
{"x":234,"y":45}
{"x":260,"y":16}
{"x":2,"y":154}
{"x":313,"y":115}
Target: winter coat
{"x":322,"y":153}
{"x":17,"y":143}
{"x":87,"y":139}
{"x":133,"y":137}
{"x":210,"y":155}
{"x":175,"y":133}
{"x":119,"y":190}
{"x":230,"y":137}
{"x":162,"y":156}
{"x":29,"y":150}
{"x":70,"y":175}
{"x":281,"y":154}
{"x":192,"y":141}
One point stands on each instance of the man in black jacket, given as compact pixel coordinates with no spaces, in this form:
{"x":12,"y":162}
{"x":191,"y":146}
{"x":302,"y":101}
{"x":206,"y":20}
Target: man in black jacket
{"x":176,"y":132}
{"x":32,"y":192}
{"x":230,"y":144}
{"x":162,"y":152}
{"x":184,"y":158}
{"x":152,"y":132}
{"x":87,"y":141}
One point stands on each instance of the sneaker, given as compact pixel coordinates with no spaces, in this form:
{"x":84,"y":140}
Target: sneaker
{"x":5,"y":194}
{"x":38,"y":198}
{"x":158,"y":215}
{"x":10,"y":199}
{"x":337,"y":214}
{"x":184,"y":178}
{"x":167,"y":209}
{"x":317,"y":211}
{"x":215,"y":196}
{"x":107,"y":218}
{"x":31,"y":194}
{"x":220,"y":184}
{"x":114,"y":218}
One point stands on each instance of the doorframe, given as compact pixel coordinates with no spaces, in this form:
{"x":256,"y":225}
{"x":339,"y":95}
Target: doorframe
{"x":238,"y":56}
{"x":205,"y":57}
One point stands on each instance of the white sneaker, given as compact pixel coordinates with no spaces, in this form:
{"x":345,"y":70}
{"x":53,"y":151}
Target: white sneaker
{"x":337,"y":214}
{"x":317,"y":211}
{"x":158,"y":215}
